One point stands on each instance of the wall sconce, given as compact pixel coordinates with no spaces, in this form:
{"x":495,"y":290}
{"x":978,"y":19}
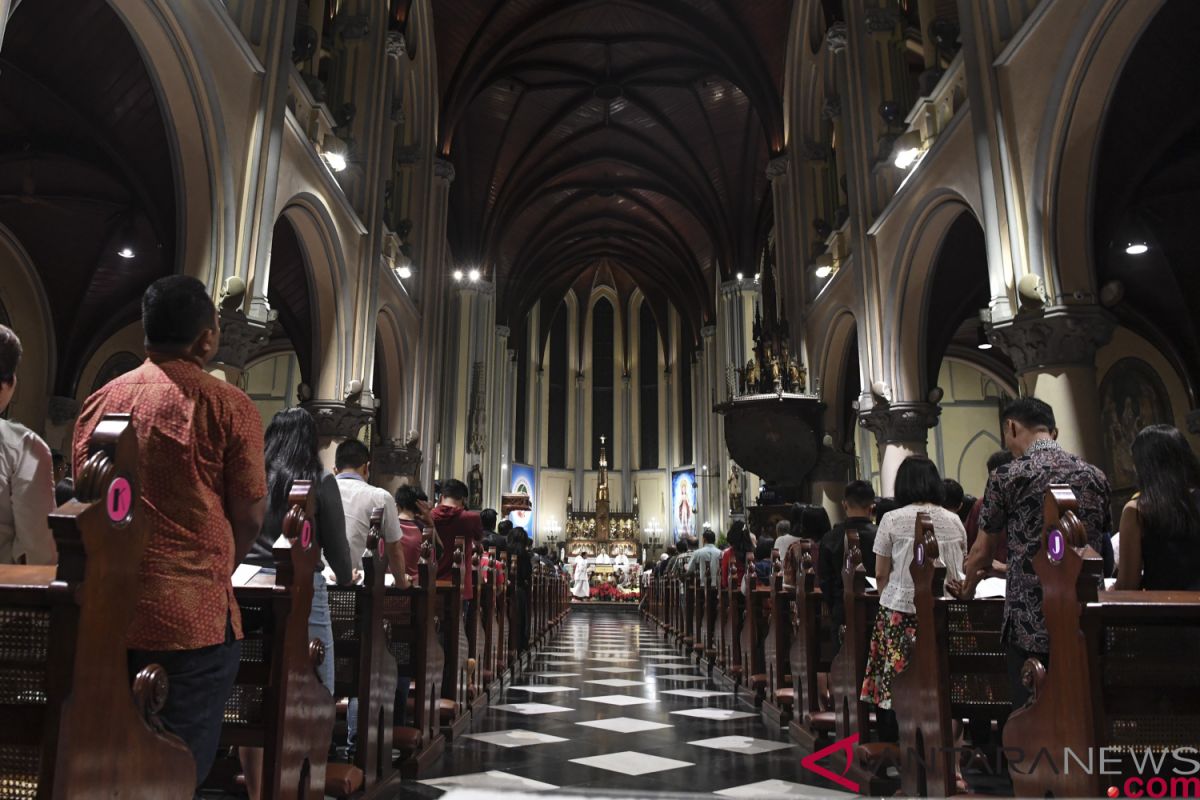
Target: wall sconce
{"x":825,"y":265}
{"x":335,"y":153}
{"x":907,"y":149}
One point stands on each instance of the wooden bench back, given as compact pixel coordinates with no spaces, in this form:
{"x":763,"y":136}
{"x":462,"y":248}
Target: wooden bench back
{"x":69,"y":719}
{"x":777,"y":641}
{"x":849,"y":666}
{"x":365,"y":668}
{"x":1116,"y":677}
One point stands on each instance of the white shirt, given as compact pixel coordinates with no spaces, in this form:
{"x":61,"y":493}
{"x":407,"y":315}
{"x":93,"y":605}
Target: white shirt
{"x":895,"y":540}
{"x":359,"y":499}
{"x":26,"y":497}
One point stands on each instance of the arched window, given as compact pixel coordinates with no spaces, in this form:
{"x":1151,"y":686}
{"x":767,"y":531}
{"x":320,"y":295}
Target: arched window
{"x":602,"y":378}
{"x":648,"y":387}
{"x":556,"y":456}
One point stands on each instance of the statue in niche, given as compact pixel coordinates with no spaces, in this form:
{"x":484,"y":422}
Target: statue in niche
{"x":752,"y":376}
{"x":776,"y":373}
{"x":475,"y":487}
{"x":736,"y":505}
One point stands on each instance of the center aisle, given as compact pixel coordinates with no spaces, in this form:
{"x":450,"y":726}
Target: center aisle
{"x":609,"y":706}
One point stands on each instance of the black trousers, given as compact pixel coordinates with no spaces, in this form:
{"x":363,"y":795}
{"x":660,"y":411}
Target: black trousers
{"x":1016,"y":657}
{"x":199,"y":683}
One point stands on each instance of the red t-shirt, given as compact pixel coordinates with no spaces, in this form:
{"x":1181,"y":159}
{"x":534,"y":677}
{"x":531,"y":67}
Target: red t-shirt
{"x":739,"y":567}
{"x":452,"y":522}
{"x":410,"y":543}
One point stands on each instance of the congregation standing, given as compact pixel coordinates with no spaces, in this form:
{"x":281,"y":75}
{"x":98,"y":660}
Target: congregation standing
{"x":222,"y":504}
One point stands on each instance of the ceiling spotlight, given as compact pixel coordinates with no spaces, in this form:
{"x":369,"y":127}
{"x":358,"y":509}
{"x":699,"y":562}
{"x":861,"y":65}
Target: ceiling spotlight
{"x":473,"y":275}
{"x":757,"y":275}
{"x":740,"y":276}
{"x":1136,"y":248}
{"x":404,"y":272}
{"x":457,"y":275}
{"x":907,"y":149}
{"x":126,"y":252}
{"x":982,"y":342}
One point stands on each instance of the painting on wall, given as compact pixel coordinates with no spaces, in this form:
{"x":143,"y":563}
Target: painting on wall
{"x":1132,"y":396}
{"x":522,"y":483}
{"x":683,"y":503}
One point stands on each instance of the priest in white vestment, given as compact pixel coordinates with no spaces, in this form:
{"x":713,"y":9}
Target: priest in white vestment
{"x":579,"y":585}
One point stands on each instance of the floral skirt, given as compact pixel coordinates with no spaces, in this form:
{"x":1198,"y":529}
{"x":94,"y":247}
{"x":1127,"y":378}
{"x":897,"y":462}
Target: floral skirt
{"x":888,"y":655}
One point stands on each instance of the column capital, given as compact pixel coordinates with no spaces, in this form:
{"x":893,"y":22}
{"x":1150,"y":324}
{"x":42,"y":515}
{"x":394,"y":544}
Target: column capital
{"x":337,"y":419}
{"x":396,"y":457}
{"x":479,"y":287}
{"x":1058,"y":337}
{"x":777,"y":167}
{"x":1193,"y":421}
{"x":443,"y":169}
{"x":242,"y":338}
{"x":900,"y":422}
{"x":396,"y":46}
{"x":708,"y":331}
{"x":503,"y":331}
{"x":62,"y":410}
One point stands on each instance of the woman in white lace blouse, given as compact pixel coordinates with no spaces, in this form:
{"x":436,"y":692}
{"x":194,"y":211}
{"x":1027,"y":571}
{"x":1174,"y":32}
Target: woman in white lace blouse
{"x":919,"y":490}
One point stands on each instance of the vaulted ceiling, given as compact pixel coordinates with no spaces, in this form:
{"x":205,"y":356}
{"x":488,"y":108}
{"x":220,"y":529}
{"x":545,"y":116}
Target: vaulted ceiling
{"x":632,"y":132}
{"x":85,"y":168}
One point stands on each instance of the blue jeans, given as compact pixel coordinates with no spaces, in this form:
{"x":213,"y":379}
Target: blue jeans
{"x":199,"y":683}
{"x":320,"y":626}
{"x":398,"y":717}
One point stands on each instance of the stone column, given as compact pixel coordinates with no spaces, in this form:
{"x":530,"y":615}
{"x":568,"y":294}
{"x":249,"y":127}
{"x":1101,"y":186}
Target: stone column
{"x":431,"y":244}
{"x":829,"y":477}
{"x":583,"y":448}
{"x":627,"y":455}
{"x":901,"y":430}
{"x":336,"y":422}
{"x":790,"y":260}
{"x":1054,"y":352}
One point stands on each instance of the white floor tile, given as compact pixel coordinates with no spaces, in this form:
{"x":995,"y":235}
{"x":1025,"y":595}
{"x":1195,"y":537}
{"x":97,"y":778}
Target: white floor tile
{"x":661,"y":667}
{"x":774,"y":789}
{"x":494,"y":779}
{"x":613,"y":670}
{"x":746,"y":745}
{"x":543,"y":688}
{"x":681,"y":678}
{"x":619,"y":700}
{"x":556,"y":674}
{"x":625,"y":725}
{"x":515,"y":738}
{"x":714,"y":713}
{"x":665,"y":658}
{"x":631,"y":763}
{"x":617,"y":683}
{"x":531,"y":708}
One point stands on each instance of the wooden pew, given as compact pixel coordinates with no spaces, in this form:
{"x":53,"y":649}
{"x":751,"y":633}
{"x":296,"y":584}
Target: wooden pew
{"x":365,"y":670}
{"x":71,"y":720}
{"x":777,"y":644}
{"x":412,"y":618}
{"x":1120,"y":674}
{"x":489,"y":628}
{"x":956,"y":670}
{"x":454,"y":711}
{"x":279,"y":707}
{"x":852,"y":717}
{"x":732,"y":616}
{"x":476,"y":640}
{"x":812,"y":651}
{"x":754,"y":670}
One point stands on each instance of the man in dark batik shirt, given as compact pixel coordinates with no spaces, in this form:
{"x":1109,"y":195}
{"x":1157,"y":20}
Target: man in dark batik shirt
{"x":1012,"y":507}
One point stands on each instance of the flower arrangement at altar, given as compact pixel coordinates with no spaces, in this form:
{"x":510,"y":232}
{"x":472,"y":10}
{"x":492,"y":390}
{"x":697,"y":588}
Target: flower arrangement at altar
{"x":612,"y":592}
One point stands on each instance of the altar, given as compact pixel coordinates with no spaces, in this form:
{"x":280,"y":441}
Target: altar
{"x":603,"y":534}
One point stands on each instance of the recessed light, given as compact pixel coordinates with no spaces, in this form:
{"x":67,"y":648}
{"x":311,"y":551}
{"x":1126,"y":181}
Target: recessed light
{"x":1136,"y":248}
{"x":335,"y":160}
{"x":404,"y":272}
{"x":740,"y":276}
{"x":457,"y":275}
{"x":126,"y":252}
{"x":824,"y":271}
{"x":473,"y":275}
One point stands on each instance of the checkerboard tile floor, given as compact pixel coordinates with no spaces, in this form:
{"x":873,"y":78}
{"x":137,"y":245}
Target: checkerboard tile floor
{"x":628,"y":715}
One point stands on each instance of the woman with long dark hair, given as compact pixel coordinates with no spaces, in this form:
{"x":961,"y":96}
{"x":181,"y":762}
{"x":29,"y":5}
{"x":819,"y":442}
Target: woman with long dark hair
{"x":291,"y":455}
{"x":1160,"y":526}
